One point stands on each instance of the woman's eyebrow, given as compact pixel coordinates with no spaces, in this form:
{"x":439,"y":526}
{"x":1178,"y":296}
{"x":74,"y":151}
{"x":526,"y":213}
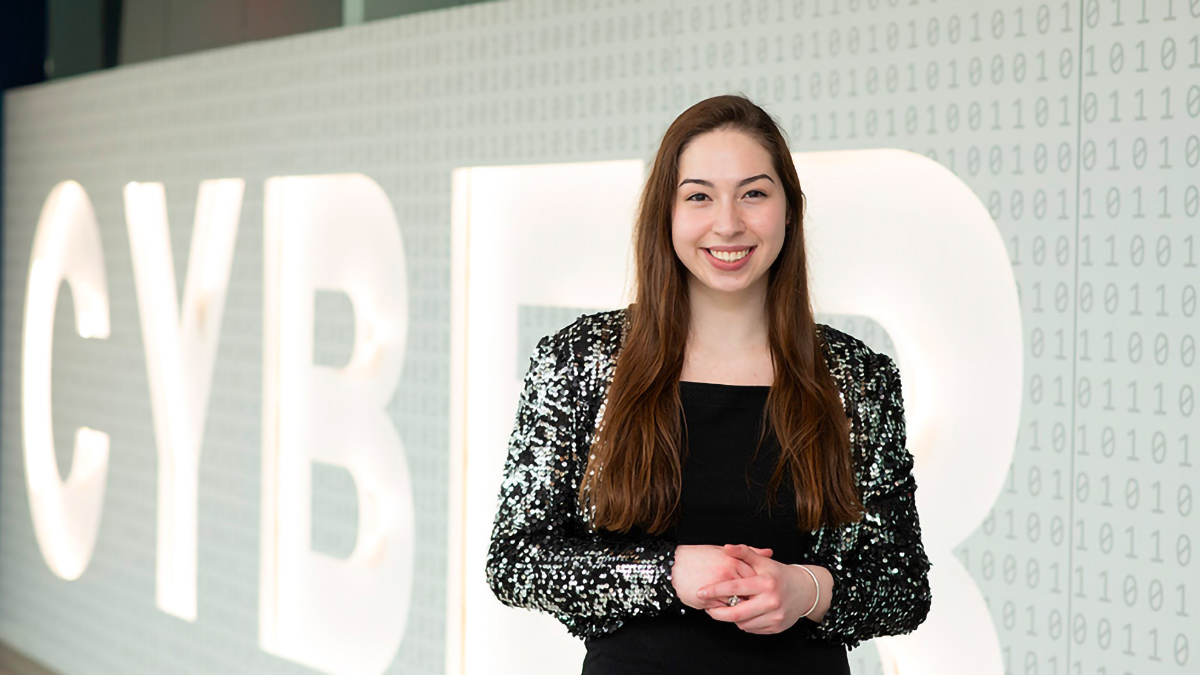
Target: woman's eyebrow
{"x":744,"y":181}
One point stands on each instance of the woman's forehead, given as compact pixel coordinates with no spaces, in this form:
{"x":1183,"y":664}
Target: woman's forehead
{"x":725,"y":160}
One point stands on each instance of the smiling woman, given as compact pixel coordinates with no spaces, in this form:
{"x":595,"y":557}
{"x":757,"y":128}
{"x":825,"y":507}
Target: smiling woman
{"x":726,"y":223}
{"x":649,"y":440}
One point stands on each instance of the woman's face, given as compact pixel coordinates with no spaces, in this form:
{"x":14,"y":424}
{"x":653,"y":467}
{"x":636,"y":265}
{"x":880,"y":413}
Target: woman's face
{"x":729,"y":212}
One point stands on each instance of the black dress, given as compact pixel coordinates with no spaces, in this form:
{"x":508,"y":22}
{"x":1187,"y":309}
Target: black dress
{"x":721,"y":504}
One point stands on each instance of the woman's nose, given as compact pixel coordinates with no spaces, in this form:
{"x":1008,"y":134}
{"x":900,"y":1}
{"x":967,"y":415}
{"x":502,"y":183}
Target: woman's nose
{"x":728,"y":220}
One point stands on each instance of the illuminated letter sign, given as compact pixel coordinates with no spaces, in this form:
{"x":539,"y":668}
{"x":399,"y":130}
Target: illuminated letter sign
{"x":897,"y":237}
{"x":522,"y":235}
{"x":340,"y":616}
{"x":181,"y":350}
{"x":881,"y":257}
{"x":66,"y":246}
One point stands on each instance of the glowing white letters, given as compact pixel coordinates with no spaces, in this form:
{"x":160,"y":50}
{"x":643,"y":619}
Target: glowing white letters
{"x":340,"y":233}
{"x":878,"y":229}
{"x":341,"y":616}
{"x":181,"y":351}
{"x":521,"y":233}
{"x":66,"y":516}
{"x":345,"y":617}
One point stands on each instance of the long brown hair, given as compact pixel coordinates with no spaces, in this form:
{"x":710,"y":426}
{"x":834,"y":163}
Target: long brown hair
{"x":634,"y":471}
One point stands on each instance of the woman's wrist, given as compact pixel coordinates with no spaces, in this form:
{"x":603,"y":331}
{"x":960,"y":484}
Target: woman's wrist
{"x":669,"y":567}
{"x":823,"y":594}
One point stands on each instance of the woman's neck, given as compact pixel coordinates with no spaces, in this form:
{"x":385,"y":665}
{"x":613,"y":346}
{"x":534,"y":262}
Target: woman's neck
{"x":728,"y":337}
{"x":733,"y":321}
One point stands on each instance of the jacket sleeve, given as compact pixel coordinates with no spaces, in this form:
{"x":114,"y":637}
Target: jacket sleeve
{"x":881,"y":586}
{"x":541,"y":555}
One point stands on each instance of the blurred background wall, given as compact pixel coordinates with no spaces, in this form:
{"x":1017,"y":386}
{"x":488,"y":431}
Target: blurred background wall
{"x":1075,"y":123}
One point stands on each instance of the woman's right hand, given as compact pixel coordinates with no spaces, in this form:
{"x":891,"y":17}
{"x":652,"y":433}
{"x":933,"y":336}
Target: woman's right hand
{"x":703,"y":564}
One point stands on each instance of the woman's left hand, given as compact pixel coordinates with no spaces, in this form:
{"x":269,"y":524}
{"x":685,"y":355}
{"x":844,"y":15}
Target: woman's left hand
{"x":774,"y":598}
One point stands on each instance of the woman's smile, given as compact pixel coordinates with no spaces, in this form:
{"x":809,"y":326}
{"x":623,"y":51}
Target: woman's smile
{"x":729,"y":260}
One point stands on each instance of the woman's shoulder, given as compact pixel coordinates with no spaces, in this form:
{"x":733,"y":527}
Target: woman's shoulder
{"x":591,"y":335}
{"x":850,"y":360}
{"x":583,"y":353}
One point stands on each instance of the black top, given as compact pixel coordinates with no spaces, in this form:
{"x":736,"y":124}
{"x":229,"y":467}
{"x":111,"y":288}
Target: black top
{"x":722,"y":503}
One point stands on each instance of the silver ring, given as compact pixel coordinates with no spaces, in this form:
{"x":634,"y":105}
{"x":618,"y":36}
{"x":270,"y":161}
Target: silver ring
{"x":733,"y":600}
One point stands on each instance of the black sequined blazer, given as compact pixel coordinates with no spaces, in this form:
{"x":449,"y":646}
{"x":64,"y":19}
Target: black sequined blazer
{"x":544,"y":556}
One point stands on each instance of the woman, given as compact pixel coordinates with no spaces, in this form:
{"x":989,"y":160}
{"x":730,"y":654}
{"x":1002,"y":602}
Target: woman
{"x":648,"y":501}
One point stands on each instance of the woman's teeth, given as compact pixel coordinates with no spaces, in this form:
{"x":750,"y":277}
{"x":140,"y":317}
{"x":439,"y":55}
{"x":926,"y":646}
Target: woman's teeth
{"x":729,"y":256}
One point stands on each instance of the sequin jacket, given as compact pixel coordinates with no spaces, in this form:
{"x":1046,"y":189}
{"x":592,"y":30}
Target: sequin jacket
{"x":544,"y":556}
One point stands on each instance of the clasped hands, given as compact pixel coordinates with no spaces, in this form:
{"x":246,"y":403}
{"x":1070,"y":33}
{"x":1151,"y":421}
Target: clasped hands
{"x":773,"y":595}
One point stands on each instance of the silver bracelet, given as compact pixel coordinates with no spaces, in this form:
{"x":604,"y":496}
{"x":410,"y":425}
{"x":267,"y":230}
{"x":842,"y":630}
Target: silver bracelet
{"x":815,"y":583}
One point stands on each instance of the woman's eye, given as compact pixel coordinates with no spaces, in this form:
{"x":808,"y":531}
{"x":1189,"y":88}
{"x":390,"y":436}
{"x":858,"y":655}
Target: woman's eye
{"x":702,"y":196}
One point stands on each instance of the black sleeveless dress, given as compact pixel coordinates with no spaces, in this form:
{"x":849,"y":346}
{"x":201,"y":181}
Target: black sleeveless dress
{"x":722,"y":503}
